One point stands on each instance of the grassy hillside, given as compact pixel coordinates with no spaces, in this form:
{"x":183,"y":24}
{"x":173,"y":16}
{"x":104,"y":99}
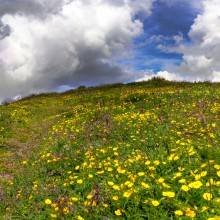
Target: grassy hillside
{"x":138,"y":151}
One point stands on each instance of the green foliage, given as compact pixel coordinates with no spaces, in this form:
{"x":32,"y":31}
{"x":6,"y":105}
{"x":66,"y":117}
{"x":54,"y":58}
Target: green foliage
{"x":146,"y":150}
{"x":81,"y":87}
{"x":157,"y":80}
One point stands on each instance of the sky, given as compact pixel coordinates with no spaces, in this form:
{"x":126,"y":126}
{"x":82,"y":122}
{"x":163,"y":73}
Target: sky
{"x":54,"y":45}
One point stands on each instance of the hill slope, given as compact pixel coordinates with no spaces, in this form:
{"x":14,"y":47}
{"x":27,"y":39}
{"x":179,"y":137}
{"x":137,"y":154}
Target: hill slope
{"x":138,"y":151}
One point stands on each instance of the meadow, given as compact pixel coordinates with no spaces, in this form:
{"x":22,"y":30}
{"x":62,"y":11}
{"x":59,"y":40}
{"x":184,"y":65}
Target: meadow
{"x":143,"y":151}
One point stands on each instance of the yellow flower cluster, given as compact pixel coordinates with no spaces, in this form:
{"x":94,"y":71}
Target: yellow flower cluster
{"x":122,"y":153}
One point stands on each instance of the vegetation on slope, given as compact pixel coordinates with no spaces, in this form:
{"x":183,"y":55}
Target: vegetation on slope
{"x":145,"y":150}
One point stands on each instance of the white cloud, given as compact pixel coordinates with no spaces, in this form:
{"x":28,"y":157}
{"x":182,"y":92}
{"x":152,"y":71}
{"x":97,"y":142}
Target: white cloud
{"x":146,"y":75}
{"x":65,"y":43}
{"x":216,"y":76}
{"x":169,"y":76}
{"x":201,"y":56}
{"x":140,"y":6}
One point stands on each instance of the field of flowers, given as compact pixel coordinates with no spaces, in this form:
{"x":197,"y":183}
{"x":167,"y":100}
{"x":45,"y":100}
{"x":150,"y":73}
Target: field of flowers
{"x":135,"y":151}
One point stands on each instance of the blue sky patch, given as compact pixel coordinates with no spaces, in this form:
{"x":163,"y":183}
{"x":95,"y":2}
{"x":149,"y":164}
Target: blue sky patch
{"x":168,"y":24}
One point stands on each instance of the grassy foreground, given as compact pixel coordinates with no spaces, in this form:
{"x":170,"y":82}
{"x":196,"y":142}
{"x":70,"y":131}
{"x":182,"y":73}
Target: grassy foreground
{"x":138,"y":151}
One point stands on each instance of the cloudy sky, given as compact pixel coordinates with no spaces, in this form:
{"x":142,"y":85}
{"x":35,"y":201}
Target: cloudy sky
{"x":48,"y":45}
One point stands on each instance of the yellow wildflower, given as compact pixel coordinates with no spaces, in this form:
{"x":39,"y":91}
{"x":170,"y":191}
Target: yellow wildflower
{"x":169,"y":194}
{"x":181,"y":169}
{"x":146,"y":201}
{"x":203,"y":165}
{"x":130,"y":185}
{"x":215,"y":218}
{"x":203,"y":173}
{"x":195,"y":185}
{"x":141,"y":174}
{"x":110,"y":183}
{"x":165,"y":185}
{"x":190,"y":213}
{"x":120,"y":170}
{"x":48,"y":201}
{"x":145,"y":185}
{"x":176,"y":158}
{"x":210,"y":182}
{"x":66,"y":210}
{"x":53,"y":215}
{"x":118,"y":212}
{"x":182,"y":181}
{"x":147,"y":162}
{"x":152,"y":175}
{"x":90,"y":176}
{"x":127,"y":194}
{"x":115,"y":198}
{"x":178,"y":212}
{"x":89,"y":196}
{"x":178,"y":175}
{"x":80,"y":181}
{"x":207,"y":196}
{"x":74,"y":199}
{"x":127,"y":183}
{"x":197,"y":176}
{"x":94,"y":203}
{"x":217,"y":167}
{"x":116,"y":187}
{"x":204,"y":208}
{"x":156,"y":162}
{"x":160,"y":180}
{"x":155,"y":203}
{"x":185,"y":188}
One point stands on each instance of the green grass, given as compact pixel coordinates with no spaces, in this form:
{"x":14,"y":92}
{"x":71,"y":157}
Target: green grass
{"x":146,"y":150}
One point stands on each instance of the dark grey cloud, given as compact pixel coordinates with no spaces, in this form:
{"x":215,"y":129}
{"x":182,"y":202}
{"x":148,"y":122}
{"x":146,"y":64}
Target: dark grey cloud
{"x":38,"y":8}
{"x":4,"y":30}
{"x":55,"y":43}
{"x":20,"y":6}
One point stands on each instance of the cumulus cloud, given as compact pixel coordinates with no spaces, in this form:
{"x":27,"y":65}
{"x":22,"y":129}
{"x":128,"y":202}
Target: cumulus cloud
{"x":201,"y":59}
{"x":65,"y":42}
{"x":201,"y":55}
{"x":148,"y":74}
